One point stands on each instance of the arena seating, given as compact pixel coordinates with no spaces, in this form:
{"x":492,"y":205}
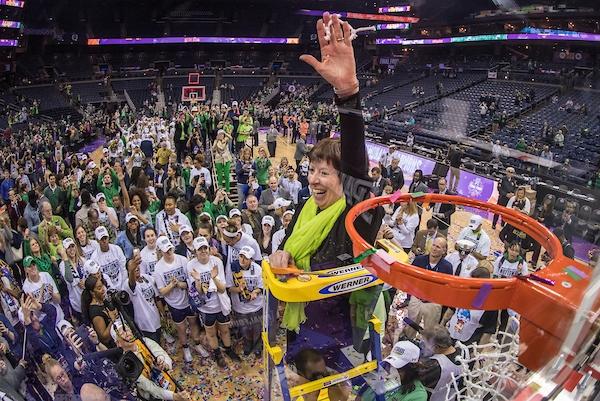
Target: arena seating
{"x":49,"y":96}
{"x":459,"y":112}
{"x":403,"y":94}
{"x":579,"y":146}
{"x":89,"y":91}
{"x":243,"y":87}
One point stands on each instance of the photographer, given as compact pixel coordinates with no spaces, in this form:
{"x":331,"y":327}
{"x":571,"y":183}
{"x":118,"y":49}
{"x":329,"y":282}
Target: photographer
{"x":96,"y":311}
{"x":147,"y":388}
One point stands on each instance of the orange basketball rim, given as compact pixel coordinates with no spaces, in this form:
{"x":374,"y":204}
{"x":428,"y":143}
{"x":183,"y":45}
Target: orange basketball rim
{"x":546,"y":306}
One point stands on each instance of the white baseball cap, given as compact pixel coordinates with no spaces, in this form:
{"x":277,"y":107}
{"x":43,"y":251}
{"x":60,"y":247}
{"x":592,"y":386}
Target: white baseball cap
{"x":247,"y":251}
{"x":268,"y":220}
{"x":280,"y":202}
{"x":403,"y":353}
{"x":91,"y":165}
{"x":164,"y":244}
{"x":100,"y":195}
{"x":220,"y":217}
{"x":465,"y":244}
{"x":200,"y":242}
{"x":67,"y":242}
{"x":91,"y":266}
{"x":101,"y":232}
{"x":289,"y":212}
{"x":129,"y":217}
{"x":234,"y":212}
{"x":234,"y":103}
{"x":185,"y":229}
{"x":475,"y":221}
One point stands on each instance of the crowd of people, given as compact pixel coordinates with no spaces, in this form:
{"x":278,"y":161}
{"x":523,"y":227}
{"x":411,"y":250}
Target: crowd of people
{"x":125,"y":256}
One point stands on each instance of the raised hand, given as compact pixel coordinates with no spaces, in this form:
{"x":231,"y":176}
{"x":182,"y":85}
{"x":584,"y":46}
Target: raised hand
{"x":337,"y":65}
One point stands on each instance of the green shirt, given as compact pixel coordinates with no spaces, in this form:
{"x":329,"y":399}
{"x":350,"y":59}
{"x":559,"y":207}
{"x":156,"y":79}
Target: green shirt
{"x":418,"y":394}
{"x":364,"y":302}
{"x":262,"y":170}
{"x":112,"y":189}
{"x":186,"y":173}
{"x":56,"y":197}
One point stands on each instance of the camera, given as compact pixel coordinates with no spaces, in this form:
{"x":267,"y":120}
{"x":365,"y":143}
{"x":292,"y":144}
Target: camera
{"x":129,"y":367}
{"x":118,"y":300}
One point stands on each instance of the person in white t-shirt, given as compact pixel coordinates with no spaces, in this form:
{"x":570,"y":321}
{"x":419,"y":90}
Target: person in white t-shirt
{"x":510,"y":264}
{"x":142,"y":291}
{"x":463,"y":263}
{"x":236,"y":240}
{"x":171,"y":279}
{"x":279,"y":235}
{"x":246,"y":288}
{"x":403,"y":225}
{"x":149,"y":253}
{"x":71,"y":268}
{"x":206,"y":281}
{"x":170,"y":219}
{"x":41,"y":286}
{"x":86,"y":246}
{"x":475,"y":233}
{"x":111,"y":260}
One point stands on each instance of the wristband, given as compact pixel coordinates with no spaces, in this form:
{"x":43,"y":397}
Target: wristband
{"x":345,"y":92}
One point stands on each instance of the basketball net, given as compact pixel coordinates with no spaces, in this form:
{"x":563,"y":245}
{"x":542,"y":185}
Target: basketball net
{"x":490,"y":371}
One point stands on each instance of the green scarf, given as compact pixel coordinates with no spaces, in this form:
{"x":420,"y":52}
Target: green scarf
{"x":310,"y":230}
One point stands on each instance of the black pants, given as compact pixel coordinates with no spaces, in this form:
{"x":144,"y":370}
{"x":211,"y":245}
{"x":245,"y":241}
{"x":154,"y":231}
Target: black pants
{"x":153,"y":335}
{"x":180,"y":150}
{"x":501,"y":202}
{"x":272,"y":146}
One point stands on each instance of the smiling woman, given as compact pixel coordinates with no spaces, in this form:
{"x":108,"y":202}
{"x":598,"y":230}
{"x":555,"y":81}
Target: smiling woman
{"x":316,"y":238}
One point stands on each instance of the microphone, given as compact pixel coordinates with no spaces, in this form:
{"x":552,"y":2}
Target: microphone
{"x":412,"y":324}
{"x":109,"y":353}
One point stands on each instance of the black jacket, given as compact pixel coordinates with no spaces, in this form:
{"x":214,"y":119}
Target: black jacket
{"x":447,"y":209}
{"x":336,"y":249}
{"x":396,"y":177}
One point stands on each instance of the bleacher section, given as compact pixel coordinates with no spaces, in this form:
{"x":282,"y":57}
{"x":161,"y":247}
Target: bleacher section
{"x":579,"y":146}
{"x":403,"y":93}
{"x":49,"y":96}
{"x":89,"y":92}
{"x":53,"y":103}
{"x":243,"y":87}
{"x":138,"y":89}
{"x":459,"y":113}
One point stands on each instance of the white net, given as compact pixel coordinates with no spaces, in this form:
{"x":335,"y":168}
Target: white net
{"x":490,"y":371}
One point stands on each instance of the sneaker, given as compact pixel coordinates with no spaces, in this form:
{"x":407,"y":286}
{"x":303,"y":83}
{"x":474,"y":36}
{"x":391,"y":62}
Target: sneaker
{"x":218,"y":355}
{"x":201,"y":350}
{"x":169,"y":338}
{"x":187,"y":355}
{"x":231,"y":354}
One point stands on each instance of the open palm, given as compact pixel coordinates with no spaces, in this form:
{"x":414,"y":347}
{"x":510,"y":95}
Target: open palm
{"x":337,"y":65}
